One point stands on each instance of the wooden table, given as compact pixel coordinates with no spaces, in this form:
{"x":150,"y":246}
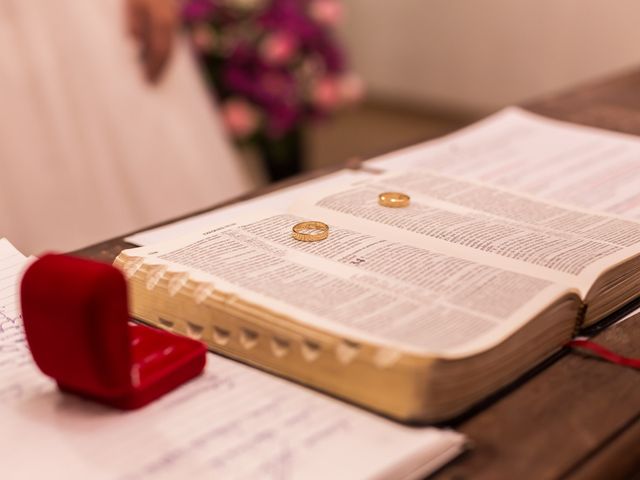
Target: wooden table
{"x":576,"y":417}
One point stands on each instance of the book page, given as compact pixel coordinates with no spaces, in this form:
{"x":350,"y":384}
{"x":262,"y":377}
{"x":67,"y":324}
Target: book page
{"x":233,"y":422}
{"x":472,"y":220}
{"x":361,"y":286}
{"x":585,"y":167}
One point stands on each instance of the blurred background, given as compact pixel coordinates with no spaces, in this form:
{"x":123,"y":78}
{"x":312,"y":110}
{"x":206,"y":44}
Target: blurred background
{"x":104,"y":115}
{"x":431,"y":66}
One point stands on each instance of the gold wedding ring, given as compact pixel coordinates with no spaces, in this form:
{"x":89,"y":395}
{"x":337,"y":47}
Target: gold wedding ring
{"x":394,"y":199}
{"x":319,"y":231}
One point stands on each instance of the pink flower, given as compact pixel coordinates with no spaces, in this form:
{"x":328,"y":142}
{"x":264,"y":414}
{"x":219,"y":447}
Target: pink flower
{"x":240,"y":117}
{"x":326,"y":12}
{"x":352,"y":88}
{"x":325,"y":94}
{"x":203,"y":38}
{"x":278,"y":48}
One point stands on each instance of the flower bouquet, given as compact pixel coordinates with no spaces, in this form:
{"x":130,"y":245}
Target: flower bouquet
{"x":275,"y":65}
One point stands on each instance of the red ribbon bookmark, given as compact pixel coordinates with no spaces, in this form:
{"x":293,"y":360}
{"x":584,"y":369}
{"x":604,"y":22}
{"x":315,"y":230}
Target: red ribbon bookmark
{"x":604,"y":353}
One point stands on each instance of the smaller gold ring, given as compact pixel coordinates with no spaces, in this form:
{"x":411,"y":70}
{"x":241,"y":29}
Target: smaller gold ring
{"x":321,"y":231}
{"x":394,"y":199}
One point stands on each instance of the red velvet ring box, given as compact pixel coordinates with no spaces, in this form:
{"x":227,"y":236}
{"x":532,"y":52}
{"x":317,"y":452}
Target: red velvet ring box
{"x":78,"y":330}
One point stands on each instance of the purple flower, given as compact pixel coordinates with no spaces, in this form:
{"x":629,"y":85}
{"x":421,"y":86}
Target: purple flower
{"x":198,"y":10}
{"x":276,"y":55}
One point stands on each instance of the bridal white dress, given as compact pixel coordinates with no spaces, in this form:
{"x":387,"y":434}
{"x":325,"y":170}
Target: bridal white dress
{"x":88,"y":149}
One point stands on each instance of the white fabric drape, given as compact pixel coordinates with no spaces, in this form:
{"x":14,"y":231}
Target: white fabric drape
{"x":88,"y":149}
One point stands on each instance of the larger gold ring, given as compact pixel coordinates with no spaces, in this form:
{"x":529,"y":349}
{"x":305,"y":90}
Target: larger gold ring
{"x":320,"y":231}
{"x":394,"y":199}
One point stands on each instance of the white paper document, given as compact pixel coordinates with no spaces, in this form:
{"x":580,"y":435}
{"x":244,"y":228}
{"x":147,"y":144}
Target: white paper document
{"x":234,"y":422}
{"x":17,"y":370}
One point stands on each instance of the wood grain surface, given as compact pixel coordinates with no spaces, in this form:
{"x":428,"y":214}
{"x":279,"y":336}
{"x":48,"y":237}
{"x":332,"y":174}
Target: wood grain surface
{"x":555,"y":424}
{"x":578,"y":417}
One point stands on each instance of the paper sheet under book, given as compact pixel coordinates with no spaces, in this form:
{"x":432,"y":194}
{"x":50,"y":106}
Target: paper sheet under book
{"x":234,"y":422}
{"x":278,"y":200}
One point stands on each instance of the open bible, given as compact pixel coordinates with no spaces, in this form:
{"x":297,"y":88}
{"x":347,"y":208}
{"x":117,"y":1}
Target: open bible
{"x":416,"y":312}
{"x":215,"y":426}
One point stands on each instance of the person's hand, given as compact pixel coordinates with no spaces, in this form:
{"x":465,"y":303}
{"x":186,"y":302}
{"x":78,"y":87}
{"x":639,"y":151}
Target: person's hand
{"x":153,"y":23}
